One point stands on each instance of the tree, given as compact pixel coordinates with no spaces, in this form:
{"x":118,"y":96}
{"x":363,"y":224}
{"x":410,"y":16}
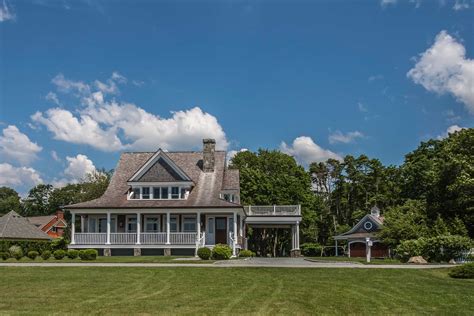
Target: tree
{"x":37,"y":201}
{"x":9,"y":200}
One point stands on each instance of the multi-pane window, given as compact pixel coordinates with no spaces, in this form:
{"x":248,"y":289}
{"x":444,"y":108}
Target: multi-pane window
{"x":136,"y":193}
{"x":145,"y":193}
{"x":160,"y":193}
{"x":152,"y":224}
{"x":164,"y":193}
{"x":189,"y":223}
{"x":173,"y":224}
{"x":156,"y":193}
{"x":175,"y":193}
{"x":132,"y":225}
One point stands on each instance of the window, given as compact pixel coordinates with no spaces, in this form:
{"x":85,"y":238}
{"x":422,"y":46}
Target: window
{"x":173,"y":223}
{"x":152,"y":224}
{"x":92,"y":222}
{"x":164,"y":193}
{"x":189,"y":223}
{"x":156,"y":193}
{"x":229,"y":197}
{"x":145,"y":193}
{"x":231,"y":224}
{"x":54,"y":230}
{"x":131,"y":224}
{"x":210,"y":225}
{"x":175,"y":193}
{"x":136,"y":194}
{"x":183,"y":193}
{"x":102,"y":225}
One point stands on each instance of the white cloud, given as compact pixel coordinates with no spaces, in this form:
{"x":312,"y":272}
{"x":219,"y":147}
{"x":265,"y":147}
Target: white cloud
{"x":450,"y":130}
{"x":340,"y":137}
{"x":18,"y":176}
{"x":444,"y":68}
{"x":115,"y":125}
{"x":306,"y":151}
{"x":83,"y":130}
{"x":55,"y":156}
{"x":375,"y":77}
{"x":53,"y":97}
{"x":385,"y":3}
{"x":6,"y":12}
{"x":232,"y":153}
{"x":16,"y":146}
{"x":362,"y":107}
{"x":78,"y":167}
{"x":460,"y":5}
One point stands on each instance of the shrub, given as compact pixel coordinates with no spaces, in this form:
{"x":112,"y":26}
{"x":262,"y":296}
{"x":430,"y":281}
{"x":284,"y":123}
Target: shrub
{"x":466,"y":271}
{"x":26,"y":245}
{"x":4,"y":255}
{"x":88,"y":254}
{"x":16,"y":252}
{"x":72,"y":253}
{"x":32,"y":254}
{"x":434,"y":249}
{"x":221,"y":252}
{"x":204,"y":253}
{"x":311,"y":249}
{"x":59,"y":254}
{"x":46,"y":254}
{"x":246,"y":253}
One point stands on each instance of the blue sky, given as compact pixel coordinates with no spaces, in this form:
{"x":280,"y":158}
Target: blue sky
{"x":81,"y":81}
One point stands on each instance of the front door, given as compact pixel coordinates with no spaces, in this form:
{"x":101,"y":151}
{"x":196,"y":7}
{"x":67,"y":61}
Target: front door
{"x":221,"y":230}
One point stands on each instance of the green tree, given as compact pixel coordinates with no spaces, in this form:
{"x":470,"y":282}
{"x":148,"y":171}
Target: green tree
{"x":9,"y":200}
{"x":37,"y":201}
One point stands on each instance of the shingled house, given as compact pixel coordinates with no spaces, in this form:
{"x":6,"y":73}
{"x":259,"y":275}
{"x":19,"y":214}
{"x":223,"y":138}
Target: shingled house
{"x":53,"y":225}
{"x":173,"y":203}
{"x":15,"y":227}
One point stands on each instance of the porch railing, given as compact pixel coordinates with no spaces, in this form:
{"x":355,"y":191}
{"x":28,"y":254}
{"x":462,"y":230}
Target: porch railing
{"x":90,"y":238}
{"x":123,"y":238}
{"x":183,"y":238}
{"x":273,"y":210}
{"x":153,"y":238}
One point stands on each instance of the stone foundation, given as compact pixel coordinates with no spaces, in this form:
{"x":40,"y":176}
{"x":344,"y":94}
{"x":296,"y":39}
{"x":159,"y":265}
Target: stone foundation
{"x":107,"y":252}
{"x":137,"y":252}
{"x":167,"y":252}
{"x":295,"y":253}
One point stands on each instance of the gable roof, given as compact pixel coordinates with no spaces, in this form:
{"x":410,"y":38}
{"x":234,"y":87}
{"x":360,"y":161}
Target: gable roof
{"x":168,"y":168}
{"x":41,"y":221}
{"x":205,"y":192}
{"x":14,"y":226}
{"x":359,"y":232}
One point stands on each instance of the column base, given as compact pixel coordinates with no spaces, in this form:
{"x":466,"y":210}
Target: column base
{"x":107,"y":252}
{"x":295,"y":253}
{"x":167,"y":252}
{"x":137,"y":252}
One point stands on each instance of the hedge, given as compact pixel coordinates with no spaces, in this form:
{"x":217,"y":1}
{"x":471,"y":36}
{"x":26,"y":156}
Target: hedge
{"x":72,"y":253}
{"x":435,"y":249}
{"x":311,"y":249}
{"x":59,"y":254}
{"x":46,"y":254}
{"x":466,"y":271}
{"x":26,"y":245}
{"x":88,"y":254}
{"x":32,"y":254}
{"x":16,"y":252}
{"x":246,"y":253}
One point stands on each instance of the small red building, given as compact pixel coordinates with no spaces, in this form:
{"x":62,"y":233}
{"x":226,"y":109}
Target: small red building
{"x":53,"y":225}
{"x":362,"y":238}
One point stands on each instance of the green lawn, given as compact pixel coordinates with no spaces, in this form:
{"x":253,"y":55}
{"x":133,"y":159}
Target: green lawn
{"x":117,"y":259}
{"x":182,"y":290}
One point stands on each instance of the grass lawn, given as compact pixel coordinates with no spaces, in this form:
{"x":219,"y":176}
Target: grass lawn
{"x":353,"y":259}
{"x":182,"y":290}
{"x":117,"y":259}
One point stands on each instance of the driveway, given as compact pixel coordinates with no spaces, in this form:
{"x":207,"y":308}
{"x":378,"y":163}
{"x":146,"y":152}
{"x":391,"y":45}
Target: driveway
{"x":250,"y":262}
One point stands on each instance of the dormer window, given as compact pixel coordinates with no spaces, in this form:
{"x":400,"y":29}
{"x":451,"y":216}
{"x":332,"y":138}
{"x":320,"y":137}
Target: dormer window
{"x":159,"y":193}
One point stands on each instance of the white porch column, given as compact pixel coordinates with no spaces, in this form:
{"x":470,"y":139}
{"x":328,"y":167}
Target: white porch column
{"x":241,"y":223}
{"x":293,"y":238}
{"x":73,"y":228}
{"x":297,"y":246}
{"x":108,"y":228}
{"x":198,"y":229}
{"x":368,"y":246}
{"x":234,"y":244}
{"x":168,"y":228}
{"x":139,"y":224}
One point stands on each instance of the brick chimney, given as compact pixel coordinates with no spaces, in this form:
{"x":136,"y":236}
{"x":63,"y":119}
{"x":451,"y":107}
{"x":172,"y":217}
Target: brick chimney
{"x":60,"y":214}
{"x":209,"y":147}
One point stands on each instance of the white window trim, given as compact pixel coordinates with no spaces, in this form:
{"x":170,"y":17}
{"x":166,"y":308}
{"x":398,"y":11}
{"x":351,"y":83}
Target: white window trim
{"x":152,"y":196}
{"x":188,"y":216}
{"x":127,"y":220}
{"x":146,"y":217}
{"x":98,"y":218}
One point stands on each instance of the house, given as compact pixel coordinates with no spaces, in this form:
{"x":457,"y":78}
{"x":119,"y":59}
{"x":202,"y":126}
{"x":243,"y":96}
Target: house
{"x":54,"y":225}
{"x":16,"y":227}
{"x":172,"y":203}
{"x":362,"y":238}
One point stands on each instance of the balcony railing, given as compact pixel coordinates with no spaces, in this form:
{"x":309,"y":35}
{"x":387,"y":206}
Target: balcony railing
{"x":153,"y":238}
{"x":123,"y":238}
{"x":273,"y":210}
{"x":183,"y":238}
{"x":90,"y":238}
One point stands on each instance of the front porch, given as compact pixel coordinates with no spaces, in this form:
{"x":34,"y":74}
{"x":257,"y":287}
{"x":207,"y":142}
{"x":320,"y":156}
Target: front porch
{"x":155,"y":229}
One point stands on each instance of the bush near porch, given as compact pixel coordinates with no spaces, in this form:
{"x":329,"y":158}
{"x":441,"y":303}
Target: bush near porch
{"x":221,"y":252}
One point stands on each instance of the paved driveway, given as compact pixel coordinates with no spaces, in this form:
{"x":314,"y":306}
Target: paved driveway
{"x":251,"y":262}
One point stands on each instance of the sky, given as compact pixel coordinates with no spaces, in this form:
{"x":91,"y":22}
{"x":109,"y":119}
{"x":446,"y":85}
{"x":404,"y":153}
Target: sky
{"x":83,"y":81}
